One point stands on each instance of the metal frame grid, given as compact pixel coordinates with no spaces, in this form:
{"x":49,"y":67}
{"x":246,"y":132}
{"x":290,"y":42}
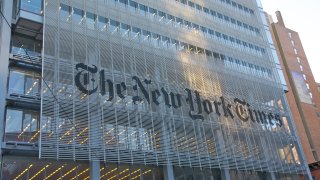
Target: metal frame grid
{"x":81,"y":127}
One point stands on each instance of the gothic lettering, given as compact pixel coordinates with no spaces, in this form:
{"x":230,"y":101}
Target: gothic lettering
{"x":86,"y":83}
{"x":86,"y":71}
{"x":142,"y":88}
{"x":241,"y":110}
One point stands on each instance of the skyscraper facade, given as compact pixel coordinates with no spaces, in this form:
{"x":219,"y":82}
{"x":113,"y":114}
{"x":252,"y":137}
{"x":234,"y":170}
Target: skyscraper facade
{"x":123,"y":89}
{"x":303,"y":95}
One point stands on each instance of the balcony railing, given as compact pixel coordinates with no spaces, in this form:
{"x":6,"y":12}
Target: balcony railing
{"x":28,"y":137}
{"x":27,"y":56}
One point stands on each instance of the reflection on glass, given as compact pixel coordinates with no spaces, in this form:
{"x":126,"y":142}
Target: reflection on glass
{"x":129,"y":138}
{"x":24,"y":45}
{"x":155,"y":39}
{"x":77,"y":17}
{"x":31,"y":85}
{"x":114,"y":26}
{"x":146,"y":36}
{"x":21,"y":125}
{"x":13,"y":121}
{"x":16,"y":82}
{"x":133,"y":5}
{"x":91,"y":20}
{"x":125,"y":29}
{"x":34,"y":6}
{"x":136,"y":32}
{"x":102,"y":23}
{"x":24,"y":83}
{"x":65,"y":12}
{"x":32,"y":168}
{"x":143,"y":9}
{"x":196,"y":173}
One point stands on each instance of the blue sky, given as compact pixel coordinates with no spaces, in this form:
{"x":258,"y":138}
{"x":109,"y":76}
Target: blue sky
{"x":301,"y":16}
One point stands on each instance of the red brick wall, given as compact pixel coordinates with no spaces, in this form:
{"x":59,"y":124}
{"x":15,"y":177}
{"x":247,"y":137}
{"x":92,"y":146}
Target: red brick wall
{"x":316,"y":174}
{"x":309,"y":110}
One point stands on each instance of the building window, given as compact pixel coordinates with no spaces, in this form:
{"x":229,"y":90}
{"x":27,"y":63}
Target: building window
{"x":114,"y":26}
{"x":125,"y":2}
{"x":292,"y":42}
{"x":125,"y":30}
{"x":91,"y":20}
{"x":21,"y":125}
{"x":304,"y":77}
{"x":308,"y":86}
{"x":65,"y":12}
{"x":24,"y":83}
{"x":102,"y":23}
{"x":23,"y":45}
{"x":33,"y":6}
{"x":301,"y":68}
{"x":295,"y":51}
{"x":134,"y":4}
{"x":136,"y":32}
{"x":290,"y":34}
{"x":78,"y":16}
{"x":143,"y":9}
{"x":299,"y":60}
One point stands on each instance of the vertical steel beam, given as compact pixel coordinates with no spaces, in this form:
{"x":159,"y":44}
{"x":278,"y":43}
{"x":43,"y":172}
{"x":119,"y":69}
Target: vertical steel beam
{"x":168,"y":172}
{"x":95,"y":170}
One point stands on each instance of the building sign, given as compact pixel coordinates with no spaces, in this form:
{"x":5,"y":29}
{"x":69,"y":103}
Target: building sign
{"x":197,"y":105}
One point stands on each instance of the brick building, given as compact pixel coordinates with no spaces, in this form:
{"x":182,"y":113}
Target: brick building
{"x":302,"y":94}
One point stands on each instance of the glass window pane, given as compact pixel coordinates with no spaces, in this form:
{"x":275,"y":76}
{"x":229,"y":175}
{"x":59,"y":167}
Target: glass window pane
{"x":125,"y":29}
{"x":34,"y":123}
{"x":23,"y":45}
{"x":114,"y":26}
{"x":136,"y":32}
{"x":125,"y":2}
{"x":65,"y":12}
{"x":13,"y":121}
{"x":152,"y":11}
{"x":134,"y":4}
{"x":102,"y":23}
{"x":77,"y":16}
{"x":146,"y":35}
{"x":34,"y":6}
{"x":26,"y":122}
{"x":91,"y":20}
{"x":161,"y":14}
{"x":191,"y":4}
{"x":143,"y":9}
{"x":16,"y":82}
{"x":199,"y":7}
{"x":32,"y":85}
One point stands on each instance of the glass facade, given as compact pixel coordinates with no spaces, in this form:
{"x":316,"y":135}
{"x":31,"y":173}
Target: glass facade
{"x":21,"y":168}
{"x":185,"y":173}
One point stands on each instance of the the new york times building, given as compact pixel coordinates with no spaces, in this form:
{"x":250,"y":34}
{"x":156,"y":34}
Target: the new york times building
{"x":162,"y":89}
